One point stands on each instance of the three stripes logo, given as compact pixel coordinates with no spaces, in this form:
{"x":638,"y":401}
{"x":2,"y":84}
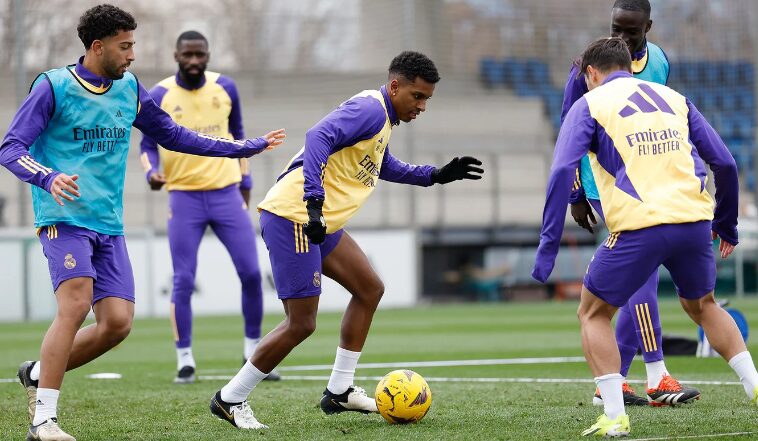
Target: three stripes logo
{"x":611,"y":241}
{"x":640,"y":104}
{"x":118,"y":114}
{"x":647,"y":332}
{"x":33,"y":166}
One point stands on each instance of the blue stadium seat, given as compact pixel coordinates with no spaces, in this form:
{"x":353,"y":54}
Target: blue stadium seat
{"x":537,"y":72}
{"x":727,"y":100}
{"x":516,"y":71}
{"x":746,"y":73}
{"x":711,"y":73}
{"x":745,"y":100}
{"x":692,"y":73}
{"x":745,"y":126}
{"x":729,"y":73}
{"x":726,"y":126}
{"x":708,"y":99}
{"x":492,"y":72}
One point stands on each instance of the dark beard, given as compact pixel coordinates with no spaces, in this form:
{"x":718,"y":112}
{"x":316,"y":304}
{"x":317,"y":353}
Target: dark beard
{"x":192,"y":79}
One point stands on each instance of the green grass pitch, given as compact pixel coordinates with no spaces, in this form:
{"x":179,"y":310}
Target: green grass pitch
{"x":146,"y":405}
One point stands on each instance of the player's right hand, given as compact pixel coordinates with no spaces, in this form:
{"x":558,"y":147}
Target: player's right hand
{"x":64,"y":186}
{"x":156,"y":181}
{"x":274,"y":138}
{"x":315,"y":229}
{"x":582,"y":214}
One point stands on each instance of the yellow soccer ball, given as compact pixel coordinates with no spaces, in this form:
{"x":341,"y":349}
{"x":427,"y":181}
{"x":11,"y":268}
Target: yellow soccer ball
{"x":403,"y":397}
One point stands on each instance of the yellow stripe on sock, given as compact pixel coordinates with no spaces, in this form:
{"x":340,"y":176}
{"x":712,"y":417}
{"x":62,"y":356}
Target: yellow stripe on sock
{"x":643,"y":329}
{"x":650,"y":327}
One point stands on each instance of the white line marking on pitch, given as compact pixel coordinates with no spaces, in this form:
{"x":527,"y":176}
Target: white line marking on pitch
{"x":714,"y":435}
{"x":470,"y":379}
{"x":439,"y":363}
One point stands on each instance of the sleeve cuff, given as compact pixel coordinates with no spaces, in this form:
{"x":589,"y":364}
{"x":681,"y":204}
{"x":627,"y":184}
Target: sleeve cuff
{"x":577,"y":196}
{"x":246,"y":183}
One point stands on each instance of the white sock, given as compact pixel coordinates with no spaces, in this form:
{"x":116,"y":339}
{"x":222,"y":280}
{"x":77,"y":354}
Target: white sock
{"x":34,"y":374}
{"x":250,"y":345}
{"x":184,"y":357}
{"x":655,"y":373}
{"x":47,"y":405}
{"x":613,"y":398}
{"x":343,"y":371}
{"x":239,"y":387}
{"x":743,"y":365}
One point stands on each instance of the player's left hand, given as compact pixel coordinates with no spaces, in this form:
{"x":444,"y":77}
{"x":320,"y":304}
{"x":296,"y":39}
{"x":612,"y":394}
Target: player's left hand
{"x":725,"y":248}
{"x":457,"y":169}
{"x":275,"y":138}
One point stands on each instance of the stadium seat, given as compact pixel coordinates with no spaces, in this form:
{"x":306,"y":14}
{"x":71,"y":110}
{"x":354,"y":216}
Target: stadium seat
{"x":537,"y":72}
{"x":492,"y":72}
{"x":711,"y":73}
{"x":727,"y":100}
{"x":746,"y":73}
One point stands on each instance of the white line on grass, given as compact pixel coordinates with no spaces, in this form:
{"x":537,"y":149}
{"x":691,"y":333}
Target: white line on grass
{"x":713,"y":435}
{"x":470,"y":379}
{"x":439,"y":363}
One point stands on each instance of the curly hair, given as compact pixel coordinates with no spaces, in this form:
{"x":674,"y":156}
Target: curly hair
{"x":103,"y":21}
{"x":411,"y":65}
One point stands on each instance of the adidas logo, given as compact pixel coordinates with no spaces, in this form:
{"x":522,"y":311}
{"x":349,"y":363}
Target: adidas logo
{"x":39,"y":403}
{"x":177,"y":108}
{"x":118,"y":114}
{"x":641,"y":104}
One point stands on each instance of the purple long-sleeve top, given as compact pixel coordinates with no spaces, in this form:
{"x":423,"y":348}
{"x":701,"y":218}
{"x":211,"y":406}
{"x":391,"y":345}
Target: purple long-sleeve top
{"x":149,"y":146}
{"x":37,"y":109}
{"x":581,"y":133}
{"x":357,"y":119}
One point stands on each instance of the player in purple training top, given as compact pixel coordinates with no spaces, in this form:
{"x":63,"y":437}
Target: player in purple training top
{"x":345,"y":156}
{"x":647,"y":146}
{"x":204,"y":192}
{"x":78,"y":119}
{"x":639,"y":324}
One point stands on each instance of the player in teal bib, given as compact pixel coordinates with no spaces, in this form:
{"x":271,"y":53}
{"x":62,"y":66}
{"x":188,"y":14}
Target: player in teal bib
{"x":638,"y":325}
{"x":78,"y":119}
{"x":91,"y":132}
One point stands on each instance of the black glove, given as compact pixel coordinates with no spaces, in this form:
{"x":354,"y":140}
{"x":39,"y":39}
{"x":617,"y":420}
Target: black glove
{"x":457,"y":169}
{"x":315,"y":229}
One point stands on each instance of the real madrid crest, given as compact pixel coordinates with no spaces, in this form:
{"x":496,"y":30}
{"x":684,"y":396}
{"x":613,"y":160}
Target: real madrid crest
{"x":316,"y":279}
{"x":215,"y":102}
{"x":69,"y":262}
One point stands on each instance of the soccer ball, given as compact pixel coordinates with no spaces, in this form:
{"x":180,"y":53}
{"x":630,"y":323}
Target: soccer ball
{"x":403,"y":397}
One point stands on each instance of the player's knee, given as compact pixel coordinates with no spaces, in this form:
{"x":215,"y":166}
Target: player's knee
{"x":302,"y":329}
{"x":75,"y":310}
{"x":117,"y":328}
{"x":184,"y":284}
{"x":250,"y":278}
{"x":372,"y":292}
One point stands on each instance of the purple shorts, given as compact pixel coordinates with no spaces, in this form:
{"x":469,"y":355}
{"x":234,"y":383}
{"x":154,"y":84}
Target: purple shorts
{"x":78,"y":252}
{"x":295,"y":262}
{"x":623,"y":263}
